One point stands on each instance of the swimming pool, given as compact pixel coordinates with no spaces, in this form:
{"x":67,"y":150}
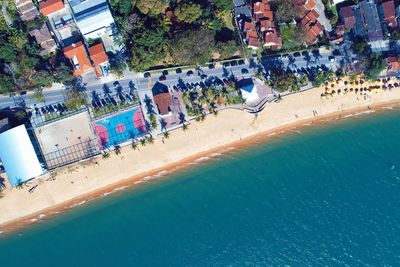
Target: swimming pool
{"x":120,"y":127}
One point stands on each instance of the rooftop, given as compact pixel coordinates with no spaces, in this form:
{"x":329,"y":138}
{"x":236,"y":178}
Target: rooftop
{"x":98,"y":56}
{"x":44,"y":39}
{"x":48,"y":7}
{"x":371,"y":20}
{"x":163,"y":102}
{"x":389,"y":12}
{"x":159,"y":88}
{"x":79,"y":58}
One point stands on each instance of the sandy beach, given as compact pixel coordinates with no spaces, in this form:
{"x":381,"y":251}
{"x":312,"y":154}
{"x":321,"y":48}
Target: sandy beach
{"x":230,"y":129}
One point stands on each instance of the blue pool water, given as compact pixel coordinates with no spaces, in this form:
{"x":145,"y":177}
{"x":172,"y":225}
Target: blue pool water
{"x":326,"y":196}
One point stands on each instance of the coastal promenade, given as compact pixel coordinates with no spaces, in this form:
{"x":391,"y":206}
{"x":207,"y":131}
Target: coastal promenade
{"x":231,"y":129}
{"x":56,"y":94}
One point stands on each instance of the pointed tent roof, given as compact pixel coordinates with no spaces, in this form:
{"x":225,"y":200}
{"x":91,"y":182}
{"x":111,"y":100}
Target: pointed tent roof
{"x":159,"y":88}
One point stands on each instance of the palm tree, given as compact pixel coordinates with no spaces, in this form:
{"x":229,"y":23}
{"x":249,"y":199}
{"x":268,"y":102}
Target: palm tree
{"x":134,"y":145}
{"x":105,"y":154}
{"x":150,"y":139}
{"x":143,"y":141}
{"x":95,"y":95}
{"x":166,"y":134}
{"x":20,"y":184}
{"x":117,"y":149}
{"x":118,"y":90}
{"x":106,"y":90}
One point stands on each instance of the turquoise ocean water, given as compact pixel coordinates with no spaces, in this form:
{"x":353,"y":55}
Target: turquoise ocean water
{"x":324,"y":196}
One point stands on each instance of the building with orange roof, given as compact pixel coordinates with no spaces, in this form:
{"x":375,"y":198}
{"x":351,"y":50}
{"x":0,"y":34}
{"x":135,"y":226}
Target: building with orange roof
{"x":272,"y":40}
{"x":99,"y":59}
{"x":48,"y":7}
{"x":79,"y":58}
{"x":392,"y":65}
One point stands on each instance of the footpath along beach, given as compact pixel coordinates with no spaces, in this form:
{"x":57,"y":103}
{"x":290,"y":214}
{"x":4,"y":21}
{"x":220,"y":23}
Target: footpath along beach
{"x":96,"y":177}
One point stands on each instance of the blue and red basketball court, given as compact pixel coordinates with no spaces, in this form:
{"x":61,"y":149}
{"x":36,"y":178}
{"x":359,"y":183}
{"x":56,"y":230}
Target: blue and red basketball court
{"x":120,"y":127}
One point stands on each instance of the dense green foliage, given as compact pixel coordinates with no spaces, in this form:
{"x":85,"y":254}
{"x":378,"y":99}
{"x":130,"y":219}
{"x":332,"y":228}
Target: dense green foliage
{"x":292,"y":37}
{"x":286,"y":10}
{"x":361,"y":46}
{"x":282,"y":81}
{"x":322,"y":77}
{"x":160,"y":33}
{"x":374,"y":65}
{"x":22,"y":68}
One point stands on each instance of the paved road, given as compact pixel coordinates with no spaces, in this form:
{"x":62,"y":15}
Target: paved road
{"x":142,"y":84}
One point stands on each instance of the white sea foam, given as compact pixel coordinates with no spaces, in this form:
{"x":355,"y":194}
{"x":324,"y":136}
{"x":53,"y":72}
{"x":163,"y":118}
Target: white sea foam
{"x":202,"y":159}
{"x":78,"y":204}
{"x":33,"y":220}
{"x":41,"y":216}
{"x":119,"y":188}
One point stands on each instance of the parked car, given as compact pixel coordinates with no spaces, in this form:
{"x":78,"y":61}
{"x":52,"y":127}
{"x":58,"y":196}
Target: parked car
{"x":147,"y":75}
{"x":241,"y":62}
{"x":244,"y":71}
{"x":178,"y":70}
{"x":233,"y":63}
{"x":297,"y":54}
{"x":305,"y":53}
{"x":332,"y":58}
{"x":189,"y":73}
{"x":162,"y":78}
{"x":165,"y":72}
{"x":211,"y":66}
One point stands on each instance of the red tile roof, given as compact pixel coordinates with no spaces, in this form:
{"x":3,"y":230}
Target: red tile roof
{"x":389,"y":13}
{"x":262,"y":10}
{"x":272,"y":40}
{"x":50,"y":6}
{"x":79,"y":58}
{"x":313,"y":32}
{"x":251,"y":34}
{"x":98,"y":56}
{"x":348,"y":17}
{"x":392,"y":64}
{"x":248,"y":26}
{"x":266,"y":25}
{"x":309,"y":4}
{"x":254,"y":42}
{"x":163,"y":102}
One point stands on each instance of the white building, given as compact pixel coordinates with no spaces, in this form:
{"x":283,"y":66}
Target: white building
{"x":94,"y":19}
{"x":18,"y":156}
{"x":248,"y":89}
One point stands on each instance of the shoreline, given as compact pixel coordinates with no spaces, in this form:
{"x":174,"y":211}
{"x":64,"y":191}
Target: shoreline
{"x":10,"y":226}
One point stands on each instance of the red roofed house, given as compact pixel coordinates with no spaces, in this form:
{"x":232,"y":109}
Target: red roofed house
{"x":392,"y":65}
{"x":264,"y":18}
{"x":99,"y":59}
{"x":272,"y":40}
{"x":348,"y":17}
{"x":262,"y":10}
{"x":311,"y":26}
{"x":251,"y":35}
{"x":389,"y":13}
{"x":79,"y":58}
{"x":48,"y":7}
